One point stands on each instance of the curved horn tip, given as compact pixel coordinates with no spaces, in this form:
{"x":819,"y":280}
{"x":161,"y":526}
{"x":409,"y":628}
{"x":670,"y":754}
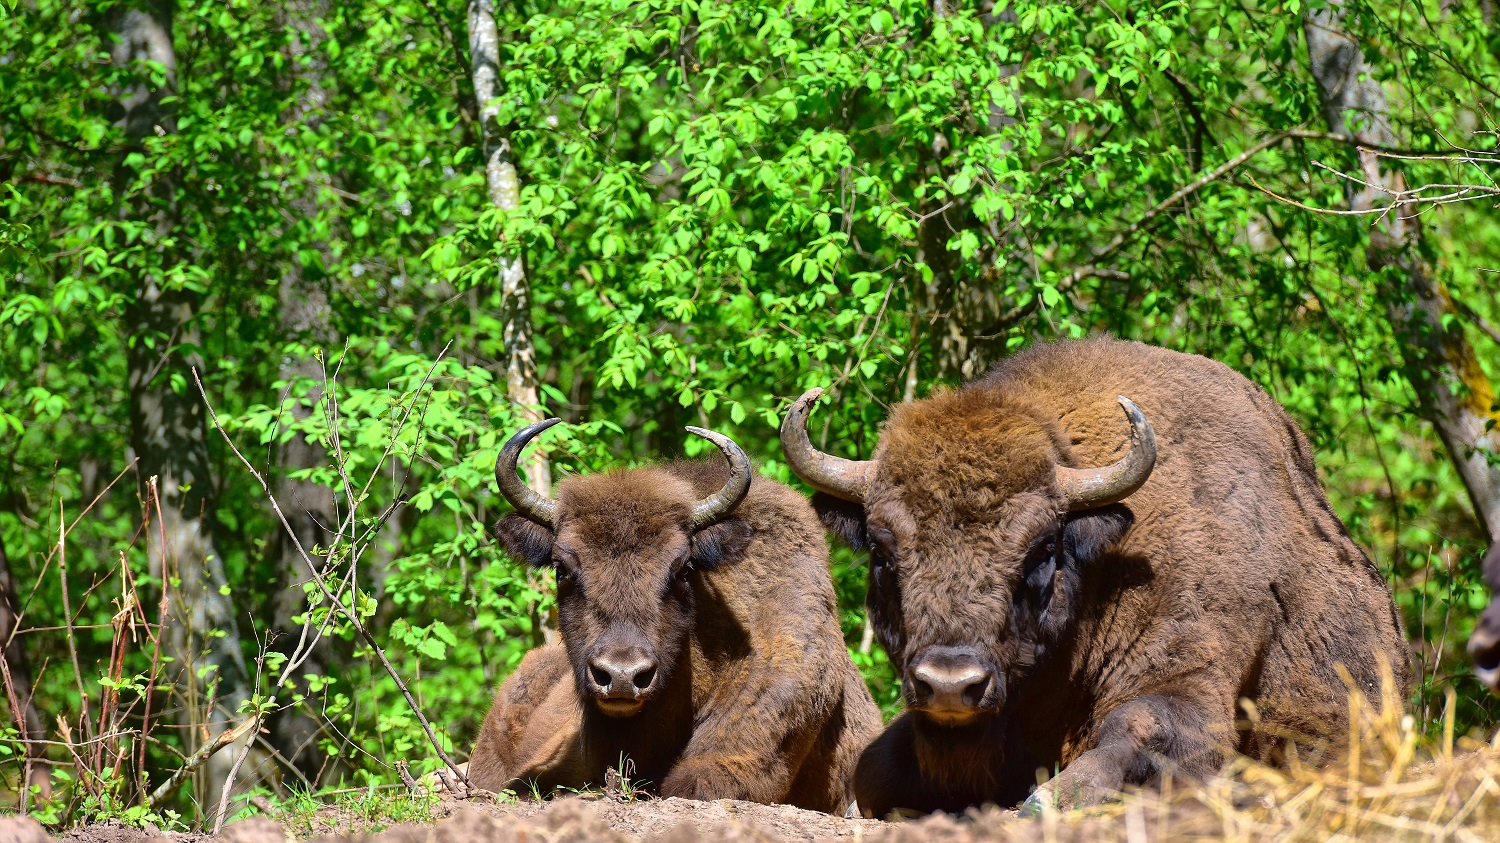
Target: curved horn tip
{"x":526,"y":501}
{"x":845,"y":479}
{"x":542,"y":425}
{"x":1140,"y":426}
{"x":716,"y":507}
{"x":732,"y":451}
{"x":1086,"y":488}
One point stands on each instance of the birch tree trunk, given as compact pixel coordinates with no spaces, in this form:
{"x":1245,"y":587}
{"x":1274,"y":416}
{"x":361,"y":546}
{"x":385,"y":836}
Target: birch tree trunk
{"x":505,"y":193}
{"x":1455,"y":394}
{"x":168,"y":425}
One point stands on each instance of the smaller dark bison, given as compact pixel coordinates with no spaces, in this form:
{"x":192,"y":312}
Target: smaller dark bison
{"x":1060,"y":593}
{"x":1484,"y":644}
{"x":700,"y":640}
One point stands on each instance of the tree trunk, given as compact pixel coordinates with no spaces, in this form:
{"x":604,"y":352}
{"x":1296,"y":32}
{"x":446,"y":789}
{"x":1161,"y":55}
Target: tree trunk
{"x":167,"y":418}
{"x":957,"y":308}
{"x":306,"y":318}
{"x":505,"y":192}
{"x":1455,"y":394}
{"x":15,"y":676}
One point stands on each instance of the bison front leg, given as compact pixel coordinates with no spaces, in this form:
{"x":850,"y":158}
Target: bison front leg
{"x":750,"y":748}
{"x":1136,"y":742}
{"x":737,"y":756}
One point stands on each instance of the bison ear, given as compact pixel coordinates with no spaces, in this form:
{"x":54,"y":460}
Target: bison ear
{"x":845,"y":519}
{"x":527,"y":541}
{"x":720,"y":544}
{"x":1090,"y":533}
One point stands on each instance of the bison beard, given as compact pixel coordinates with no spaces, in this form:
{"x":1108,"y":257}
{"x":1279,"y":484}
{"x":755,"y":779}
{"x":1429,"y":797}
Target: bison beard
{"x":1104,"y":622}
{"x":700,"y":643}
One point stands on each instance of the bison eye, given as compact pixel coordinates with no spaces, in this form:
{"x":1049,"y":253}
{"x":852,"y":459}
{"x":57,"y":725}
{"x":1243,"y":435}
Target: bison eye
{"x":1040,"y":566}
{"x":882,"y":549}
{"x":565,"y":563}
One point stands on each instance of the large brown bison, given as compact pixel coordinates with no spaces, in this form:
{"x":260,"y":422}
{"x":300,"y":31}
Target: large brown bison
{"x":700,"y":640}
{"x":1484,"y":643}
{"x":1048,"y":613}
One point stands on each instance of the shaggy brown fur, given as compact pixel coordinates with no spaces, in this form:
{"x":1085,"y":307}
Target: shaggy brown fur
{"x":1118,"y":641}
{"x":753,"y":696}
{"x":1484,"y":644}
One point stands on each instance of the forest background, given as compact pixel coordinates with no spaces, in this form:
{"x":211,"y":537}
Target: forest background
{"x":384,"y":234}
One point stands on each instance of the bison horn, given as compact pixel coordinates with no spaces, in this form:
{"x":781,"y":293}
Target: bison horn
{"x":713,"y":509}
{"x":846,"y":479}
{"x":1086,"y":488}
{"x":529,"y":504}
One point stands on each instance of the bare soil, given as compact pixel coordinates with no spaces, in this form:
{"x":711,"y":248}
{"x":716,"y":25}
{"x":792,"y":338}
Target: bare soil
{"x":1447,"y":797}
{"x":589,"y":817}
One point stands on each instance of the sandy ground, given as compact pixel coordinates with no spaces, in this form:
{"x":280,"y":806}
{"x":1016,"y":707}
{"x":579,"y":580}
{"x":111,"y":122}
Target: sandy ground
{"x":591,"y":818}
{"x":1452,"y":797}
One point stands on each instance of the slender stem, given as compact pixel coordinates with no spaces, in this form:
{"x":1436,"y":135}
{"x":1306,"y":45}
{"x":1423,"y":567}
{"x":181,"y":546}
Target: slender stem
{"x":349,"y":612}
{"x":62,"y":572}
{"x":228,"y":790}
{"x":205,"y":752}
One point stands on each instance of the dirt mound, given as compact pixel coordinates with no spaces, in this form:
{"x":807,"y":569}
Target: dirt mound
{"x":601,"y":819}
{"x":617,"y":821}
{"x":1449,"y":796}
{"x":575,"y":819}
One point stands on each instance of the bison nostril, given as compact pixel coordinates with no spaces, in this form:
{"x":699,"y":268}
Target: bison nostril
{"x":973,"y":695}
{"x":921,"y":690}
{"x":644,"y":678}
{"x":601,"y":677}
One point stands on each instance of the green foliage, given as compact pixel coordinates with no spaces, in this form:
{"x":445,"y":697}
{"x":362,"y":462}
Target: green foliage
{"x":721,"y":206}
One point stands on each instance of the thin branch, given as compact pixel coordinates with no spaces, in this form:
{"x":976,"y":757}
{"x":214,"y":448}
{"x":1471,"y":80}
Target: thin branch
{"x":62,"y":573}
{"x":204,"y":753}
{"x":349,"y":612}
{"x":1005,"y":320}
{"x":1476,"y":320}
{"x":227,"y":791}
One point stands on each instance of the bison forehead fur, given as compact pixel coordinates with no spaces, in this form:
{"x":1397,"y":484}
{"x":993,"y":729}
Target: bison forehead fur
{"x":755,"y":696}
{"x":1124,"y":644}
{"x":961,"y":456}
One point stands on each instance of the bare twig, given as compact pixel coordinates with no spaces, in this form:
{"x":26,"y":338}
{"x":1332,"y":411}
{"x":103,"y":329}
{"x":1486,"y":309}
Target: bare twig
{"x":228,"y":790}
{"x":21,"y":609}
{"x":412,"y":787}
{"x":350,"y":612}
{"x":153,"y":498}
{"x":1458,"y":193}
{"x":205,"y":752}
{"x":62,"y":572}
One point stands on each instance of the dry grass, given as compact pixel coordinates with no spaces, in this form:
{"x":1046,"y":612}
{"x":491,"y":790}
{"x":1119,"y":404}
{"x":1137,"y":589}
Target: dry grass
{"x":1392,"y":785}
